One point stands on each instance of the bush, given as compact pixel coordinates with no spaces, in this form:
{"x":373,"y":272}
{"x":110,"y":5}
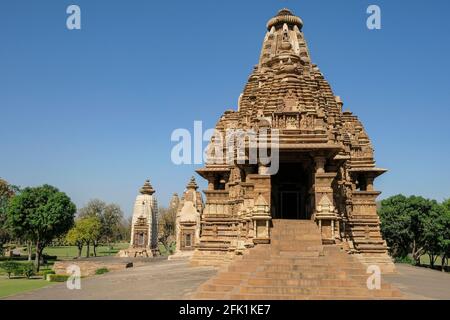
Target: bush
{"x":57,"y":277}
{"x":10,"y":267}
{"x":21,"y":258}
{"x":47,"y":257}
{"x":45,"y":273}
{"x":101,"y":271}
{"x":27,"y":269}
{"x":406,"y":260}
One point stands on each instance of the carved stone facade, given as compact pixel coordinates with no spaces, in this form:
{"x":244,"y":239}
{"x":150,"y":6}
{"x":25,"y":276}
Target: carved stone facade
{"x":144,"y":225}
{"x":188,"y":216}
{"x":327,"y":166}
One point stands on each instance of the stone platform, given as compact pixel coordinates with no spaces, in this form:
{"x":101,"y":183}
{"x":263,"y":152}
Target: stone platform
{"x":294,"y":266}
{"x":88,"y":266}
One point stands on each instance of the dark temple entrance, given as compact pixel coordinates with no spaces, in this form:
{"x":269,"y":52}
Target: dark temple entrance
{"x":290,"y":192}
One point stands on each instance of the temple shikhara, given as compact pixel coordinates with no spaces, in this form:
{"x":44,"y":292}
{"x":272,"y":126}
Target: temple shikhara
{"x":144,"y":225}
{"x":326,"y":165}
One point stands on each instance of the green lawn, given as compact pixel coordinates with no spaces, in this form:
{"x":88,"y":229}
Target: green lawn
{"x":13,"y":286}
{"x":69,"y":252}
{"x":425,"y":260}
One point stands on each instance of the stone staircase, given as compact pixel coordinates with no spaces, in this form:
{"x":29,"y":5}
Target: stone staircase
{"x":295,"y":265}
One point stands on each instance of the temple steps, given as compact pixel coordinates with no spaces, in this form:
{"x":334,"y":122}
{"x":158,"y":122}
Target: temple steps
{"x":294,"y":266}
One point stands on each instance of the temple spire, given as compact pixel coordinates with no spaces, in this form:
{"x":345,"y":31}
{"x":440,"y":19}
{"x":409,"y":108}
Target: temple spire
{"x":284,"y":41}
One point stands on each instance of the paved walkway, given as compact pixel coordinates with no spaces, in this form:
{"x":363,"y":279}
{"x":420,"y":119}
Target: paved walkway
{"x":158,"y":280}
{"x":420,"y":283}
{"x":167,"y":280}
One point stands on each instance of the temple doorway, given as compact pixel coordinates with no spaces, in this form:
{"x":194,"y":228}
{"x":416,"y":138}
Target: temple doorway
{"x":290,"y":192}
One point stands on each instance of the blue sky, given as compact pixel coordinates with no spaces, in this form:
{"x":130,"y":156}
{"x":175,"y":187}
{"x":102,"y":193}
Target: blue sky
{"x":92,"y":111}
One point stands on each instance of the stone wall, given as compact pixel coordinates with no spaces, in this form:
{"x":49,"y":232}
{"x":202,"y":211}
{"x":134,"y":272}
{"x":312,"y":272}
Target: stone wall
{"x":88,"y":267}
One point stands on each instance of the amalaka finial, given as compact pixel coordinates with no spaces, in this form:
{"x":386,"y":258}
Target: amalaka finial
{"x":147,"y":188}
{"x":285,"y":16}
{"x":192,"y":184}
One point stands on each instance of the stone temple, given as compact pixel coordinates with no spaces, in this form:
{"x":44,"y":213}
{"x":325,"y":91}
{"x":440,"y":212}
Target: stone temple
{"x":144,"y":225}
{"x":326,"y":164}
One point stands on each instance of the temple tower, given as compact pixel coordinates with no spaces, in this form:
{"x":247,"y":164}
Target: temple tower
{"x":188,"y":218}
{"x":326,"y":161}
{"x":144,"y":225}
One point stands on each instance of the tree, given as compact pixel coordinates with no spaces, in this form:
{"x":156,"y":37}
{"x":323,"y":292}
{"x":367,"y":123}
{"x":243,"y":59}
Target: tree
{"x":111,"y":221}
{"x":124,"y":233}
{"x":75,"y":237}
{"x":109,"y":215}
{"x":445,"y":235}
{"x":85,"y":231}
{"x":94,"y":208}
{"x":42,"y":213}
{"x":410,"y":225}
{"x":434,"y":232}
{"x":7,"y":191}
{"x":92,"y":230}
{"x":167,"y":225}
{"x":395,"y":222}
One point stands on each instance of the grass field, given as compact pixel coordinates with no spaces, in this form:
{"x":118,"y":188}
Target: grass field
{"x":425,"y":260}
{"x":9,"y":287}
{"x":69,"y":252}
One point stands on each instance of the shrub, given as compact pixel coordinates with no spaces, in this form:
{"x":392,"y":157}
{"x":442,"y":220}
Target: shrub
{"x":406,"y":260}
{"x":10,"y":267}
{"x":45,"y":273}
{"x":47,"y":257}
{"x":101,"y":271}
{"x":27,"y":269}
{"x":57,"y":277}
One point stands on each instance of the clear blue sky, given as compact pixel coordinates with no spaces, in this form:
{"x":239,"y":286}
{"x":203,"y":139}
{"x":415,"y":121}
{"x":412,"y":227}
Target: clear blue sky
{"x":92,"y":111}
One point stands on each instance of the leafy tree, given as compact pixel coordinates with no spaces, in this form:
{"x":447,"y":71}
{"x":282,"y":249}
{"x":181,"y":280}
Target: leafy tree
{"x":111,"y":222}
{"x":42,"y":213}
{"x":85,"y":231}
{"x":75,"y":237}
{"x":434,"y":233}
{"x":92,"y":229}
{"x":445,"y":235}
{"x":167,"y":225}
{"x":93,"y":208}
{"x":395,"y":221}
{"x":110,"y":216}
{"x":410,"y":225}
{"x":7,"y":191}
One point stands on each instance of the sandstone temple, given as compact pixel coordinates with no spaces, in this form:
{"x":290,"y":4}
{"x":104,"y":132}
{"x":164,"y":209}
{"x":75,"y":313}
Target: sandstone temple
{"x":144,"y":225}
{"x":326,"y":164}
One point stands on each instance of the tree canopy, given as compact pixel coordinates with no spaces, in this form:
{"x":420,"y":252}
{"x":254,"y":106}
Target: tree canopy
{"x":110,"y":217}
{"x":415,"y":225}
{"x":7,"y":191}
{"x":85,"y":231}
{"x":40,"y":214}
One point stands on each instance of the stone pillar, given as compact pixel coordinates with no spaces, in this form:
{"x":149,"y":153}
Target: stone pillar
{"x":324,"y":212}
{"x":320,"y":164}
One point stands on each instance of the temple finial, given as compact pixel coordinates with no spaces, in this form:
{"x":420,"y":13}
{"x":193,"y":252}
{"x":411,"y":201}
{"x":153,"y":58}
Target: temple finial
{"x":147,"y":188}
